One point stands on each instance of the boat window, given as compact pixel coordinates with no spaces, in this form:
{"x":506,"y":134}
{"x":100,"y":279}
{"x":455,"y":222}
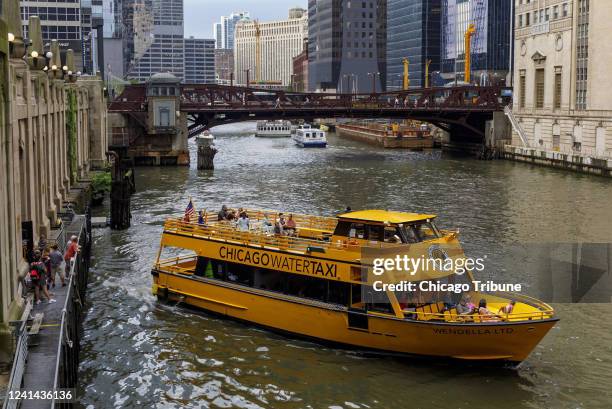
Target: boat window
{"x":357,"y":231}
{"x":312,"y":288}
{"x":392,"y":234}
{"x":375,"y":232}
{"x":363,"y":297}
{"x":418,"y":232}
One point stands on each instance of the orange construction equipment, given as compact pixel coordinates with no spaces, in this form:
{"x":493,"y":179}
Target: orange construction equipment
{"x":468,"y":52}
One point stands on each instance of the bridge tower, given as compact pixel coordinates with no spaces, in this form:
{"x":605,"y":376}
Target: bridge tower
{"x":166,"y":126}
{"x":149,"y":126}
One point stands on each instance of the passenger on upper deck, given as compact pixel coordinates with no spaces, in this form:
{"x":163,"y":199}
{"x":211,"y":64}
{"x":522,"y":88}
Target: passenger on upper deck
{"x":279,"y":224}
{"x":267,"y":225}
{"x":508,"y":308}
{"x":243,"y":222}
{"x":290,"y":226}
{"x":465,"y":306}
{"x":232,"y":216}
{"x":223,"y":214}
{"x":485,"y":313}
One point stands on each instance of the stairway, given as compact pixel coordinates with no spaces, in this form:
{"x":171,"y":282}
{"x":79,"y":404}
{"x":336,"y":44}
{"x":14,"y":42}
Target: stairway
{"x":517,"y":126}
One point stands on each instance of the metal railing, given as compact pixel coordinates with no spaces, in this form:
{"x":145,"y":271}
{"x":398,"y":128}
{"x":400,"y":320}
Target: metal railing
{"x":517,"y":126}
{"x":19,"y":363}
{"x":67,"y":361}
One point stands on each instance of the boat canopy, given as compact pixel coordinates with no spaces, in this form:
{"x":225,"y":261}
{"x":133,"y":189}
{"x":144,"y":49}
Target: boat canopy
{"x":385,"y":216}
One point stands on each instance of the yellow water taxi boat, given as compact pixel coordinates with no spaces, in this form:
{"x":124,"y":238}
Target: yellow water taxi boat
{"x":312,"y":283}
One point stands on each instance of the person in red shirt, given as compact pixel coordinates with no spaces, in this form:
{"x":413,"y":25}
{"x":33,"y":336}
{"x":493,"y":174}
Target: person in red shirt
{"x":72,"y":248}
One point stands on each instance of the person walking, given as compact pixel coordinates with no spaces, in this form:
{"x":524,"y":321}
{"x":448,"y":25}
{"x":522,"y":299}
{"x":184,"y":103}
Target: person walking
{"x":38,"y":275}
{"x":56,"y":260}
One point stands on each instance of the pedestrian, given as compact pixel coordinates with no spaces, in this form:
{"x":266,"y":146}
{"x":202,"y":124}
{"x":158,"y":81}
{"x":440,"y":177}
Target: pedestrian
{"x":42,"y":243}
{"x":278,"y":103}
{"x":38,"y":275}
{"x":56,"y":259}
{"x":72,"y":248}
{"x":396,"y":103}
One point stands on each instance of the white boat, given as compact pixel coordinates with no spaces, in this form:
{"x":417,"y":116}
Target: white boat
{"x":273,"y":129}
{"x":309,"y":137}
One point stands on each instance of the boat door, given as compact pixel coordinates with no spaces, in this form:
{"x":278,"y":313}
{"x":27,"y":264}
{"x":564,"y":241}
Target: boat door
{"x":357,"y":309}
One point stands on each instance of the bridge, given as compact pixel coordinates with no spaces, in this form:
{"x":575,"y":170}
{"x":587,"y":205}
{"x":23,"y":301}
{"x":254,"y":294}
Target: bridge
{"x":462,"y":111}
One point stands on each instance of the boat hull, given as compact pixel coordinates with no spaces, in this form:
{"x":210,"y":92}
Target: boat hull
{"x":504,"y":342}
{"x":312,"y":144}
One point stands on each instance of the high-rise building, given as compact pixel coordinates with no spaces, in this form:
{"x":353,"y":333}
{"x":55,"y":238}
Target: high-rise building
{"x":218,"y":35}
{"x":112,"y":62}
{"x":490,"y":44}
{"x":561,"y":61}
{"x":199,"y":61}
{"x":347,"y":49}
{"x":300,"y":70}
{"x":224,"y":66}
{"x":224,"y":31}
{"x":60,"y":20}
{"x":413,"y":32}
{"x":277,"y":42}
{"x":157,"y":38}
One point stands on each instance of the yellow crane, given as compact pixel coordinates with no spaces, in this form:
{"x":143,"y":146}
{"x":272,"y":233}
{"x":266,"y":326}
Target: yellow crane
{"x":257,"y":52}
{"x":471,"y":30}
{"x":427,"y":64}
{"x":406,"y":77}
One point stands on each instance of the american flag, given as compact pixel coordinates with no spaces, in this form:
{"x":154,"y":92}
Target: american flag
{"x":189,"y":210}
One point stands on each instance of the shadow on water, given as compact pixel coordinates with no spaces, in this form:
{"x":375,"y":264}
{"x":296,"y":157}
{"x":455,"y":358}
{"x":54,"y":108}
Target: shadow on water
{"x":139,"y":353}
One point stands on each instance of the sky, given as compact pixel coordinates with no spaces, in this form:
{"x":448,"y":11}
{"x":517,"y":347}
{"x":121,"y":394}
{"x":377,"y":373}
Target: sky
{"x":200,"y":15}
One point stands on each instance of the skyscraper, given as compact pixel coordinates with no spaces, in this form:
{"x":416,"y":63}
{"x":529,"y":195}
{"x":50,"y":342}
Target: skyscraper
{"x":60,"y":21}
{"x":490,"y":45}
{"x":199,"y":61}
{"x":163,"y":50}
{"x":347,"y":45}
{"x":224,"y":30}
{"x":413,"y":32}
{"x":218,"y":34}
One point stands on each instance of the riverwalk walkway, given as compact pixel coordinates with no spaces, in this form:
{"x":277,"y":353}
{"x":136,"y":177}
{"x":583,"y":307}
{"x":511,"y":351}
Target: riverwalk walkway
{"x":48,"y":342}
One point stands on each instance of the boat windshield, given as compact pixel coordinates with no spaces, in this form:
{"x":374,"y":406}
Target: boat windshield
{"x":451,"y":291}
{"x":419,"y":231}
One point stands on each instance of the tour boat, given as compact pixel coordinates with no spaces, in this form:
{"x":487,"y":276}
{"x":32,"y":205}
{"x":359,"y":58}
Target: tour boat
{"x":313,"y":284}
{"x":309,"y":137}
{"x":273,"y":129}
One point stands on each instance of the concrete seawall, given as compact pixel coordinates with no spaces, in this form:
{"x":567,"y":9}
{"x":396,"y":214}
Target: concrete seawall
{"x":562,"y":160}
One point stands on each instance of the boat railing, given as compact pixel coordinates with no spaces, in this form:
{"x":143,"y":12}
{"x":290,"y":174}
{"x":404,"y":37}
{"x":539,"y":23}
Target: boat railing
{"x":256,"y":238}
{"x":175,"y":264}
{"x":426,"y":312}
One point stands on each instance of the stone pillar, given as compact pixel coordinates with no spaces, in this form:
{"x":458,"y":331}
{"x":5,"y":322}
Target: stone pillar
{"x":206,"y":152}
{"x":97,"y":116}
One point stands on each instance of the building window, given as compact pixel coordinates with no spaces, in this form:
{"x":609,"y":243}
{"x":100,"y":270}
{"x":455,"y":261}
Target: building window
{"x":558,"y":87}
{"x":522,"y":83}
{"x":582,"y":54}
{"x":539,"y":88}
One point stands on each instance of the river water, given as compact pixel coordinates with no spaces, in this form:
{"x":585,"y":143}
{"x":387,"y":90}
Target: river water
{"x":137,"y":353}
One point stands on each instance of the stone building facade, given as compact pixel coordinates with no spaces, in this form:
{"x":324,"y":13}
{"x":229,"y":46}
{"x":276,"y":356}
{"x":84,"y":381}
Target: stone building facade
{"x":562,"y":55}
{"x":52,"y":133}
